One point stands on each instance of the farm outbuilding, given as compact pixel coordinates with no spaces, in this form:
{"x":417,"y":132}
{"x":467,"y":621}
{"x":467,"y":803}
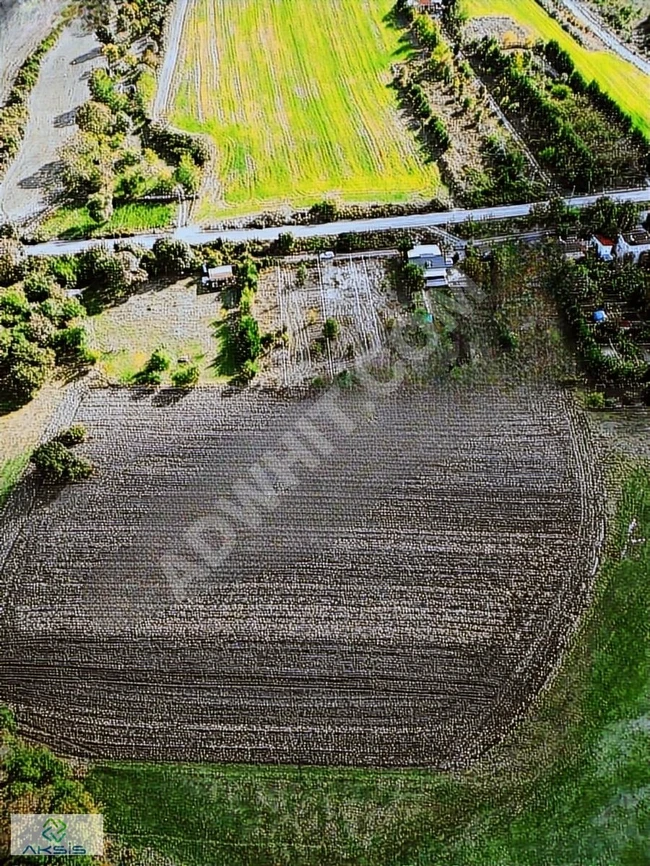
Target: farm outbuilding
{"x":430,"y":258}
{"x":635,"y":244}
{"x":216,"y":277}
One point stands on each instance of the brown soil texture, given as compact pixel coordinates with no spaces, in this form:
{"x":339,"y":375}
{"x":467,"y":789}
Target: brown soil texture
{"x":402,"y":603}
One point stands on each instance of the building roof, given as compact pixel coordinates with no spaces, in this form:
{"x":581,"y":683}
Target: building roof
{"x":637,"y":238}
{"x":424,"y":250}
{"x":432,"y":273}
{"x":221,"y":273}
{"x":603,"y":241}
{"x":573,"y":245}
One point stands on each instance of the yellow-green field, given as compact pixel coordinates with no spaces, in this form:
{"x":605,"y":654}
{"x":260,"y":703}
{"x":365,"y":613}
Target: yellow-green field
{"x":623,"y":81}
{"x":295,"y":96}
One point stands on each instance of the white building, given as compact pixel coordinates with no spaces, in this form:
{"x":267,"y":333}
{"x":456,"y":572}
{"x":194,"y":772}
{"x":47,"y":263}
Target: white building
{"x":430,"y":258}
{"x":604,"y":247}
{"x":216,"y":276}
{"x":634,"y":243}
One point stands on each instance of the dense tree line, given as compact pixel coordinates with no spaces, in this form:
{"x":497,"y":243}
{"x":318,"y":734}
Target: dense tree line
{"x":553,"y":129}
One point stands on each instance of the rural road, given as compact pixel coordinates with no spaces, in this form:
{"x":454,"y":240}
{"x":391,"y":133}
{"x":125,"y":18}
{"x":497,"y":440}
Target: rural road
{"x":196,"y":235}
{"x":589,"y":18}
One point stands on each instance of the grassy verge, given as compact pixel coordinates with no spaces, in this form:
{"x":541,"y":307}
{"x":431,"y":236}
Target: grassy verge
{"x":72,"y":223}
{"x":570,"y":786}
{"x":10,"y":472}
{"x":623,"y":81}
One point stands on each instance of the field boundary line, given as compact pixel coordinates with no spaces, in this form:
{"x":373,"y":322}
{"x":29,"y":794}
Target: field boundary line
{"x":172,"y":48}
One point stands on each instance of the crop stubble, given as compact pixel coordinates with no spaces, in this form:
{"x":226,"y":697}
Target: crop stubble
{"x":399,"y":607}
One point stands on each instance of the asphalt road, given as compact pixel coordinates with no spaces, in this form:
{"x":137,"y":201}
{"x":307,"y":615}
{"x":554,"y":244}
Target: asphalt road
{"x":588,"y":17}
{"x":196,"y":235}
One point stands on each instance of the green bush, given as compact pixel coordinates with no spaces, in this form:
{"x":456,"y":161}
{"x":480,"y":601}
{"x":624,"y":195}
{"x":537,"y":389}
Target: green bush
{"x":331,"y":329}
{"x":56,"y":462}
{"x":159,"y":361}
{"x":74,"y":435}
{"x":186,"y":376}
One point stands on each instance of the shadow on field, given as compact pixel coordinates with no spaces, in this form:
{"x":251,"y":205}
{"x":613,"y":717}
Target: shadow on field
{"x":169,"y":397}
{"x":225,"y":362}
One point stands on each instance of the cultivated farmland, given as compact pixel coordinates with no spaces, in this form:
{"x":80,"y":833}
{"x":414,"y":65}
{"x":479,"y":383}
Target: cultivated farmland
{"x":399,"y":605}
{"x":295,"y":97}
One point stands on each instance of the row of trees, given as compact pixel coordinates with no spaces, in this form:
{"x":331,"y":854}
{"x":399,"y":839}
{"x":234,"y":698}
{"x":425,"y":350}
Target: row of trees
{"x":14,"y":114}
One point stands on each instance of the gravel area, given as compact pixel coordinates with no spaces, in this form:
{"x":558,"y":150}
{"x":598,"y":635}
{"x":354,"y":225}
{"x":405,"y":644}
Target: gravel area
{"x":61,"y":88}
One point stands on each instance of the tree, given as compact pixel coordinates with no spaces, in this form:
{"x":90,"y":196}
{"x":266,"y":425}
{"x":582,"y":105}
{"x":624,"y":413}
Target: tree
{"x":330,"y":329}
{"x":186,"y":376}
{"x":100,"y":207}
{"x":285,"y":243}
{"x":412,"y":278}
{"x":188,"y":174}
{"x":12,"y":260}
{"x":173,"y":257}
{"x":94,"y":117}
{"x":74,"y":435}
{"x":246,"y":339}
{"x":159,"y":361}
{"x":29,"y":367}
{"x":39,"y":287}
{"x":86,"y":165}
{"x":56,"y":462}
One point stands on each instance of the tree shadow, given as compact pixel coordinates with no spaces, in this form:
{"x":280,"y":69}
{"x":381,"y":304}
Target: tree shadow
{"x":169,"y":396}
{"x":225,"y":361}
{"x":89,"y":55}
{"x":65,"y":119}
{"x":46,"y":176}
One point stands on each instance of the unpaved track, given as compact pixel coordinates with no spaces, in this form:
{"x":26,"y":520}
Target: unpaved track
{"x":592,"y":20}
{"x":173,"y":45}
{"x":61,"y":88}
{"x":23,"y":24}
{"x":400,"y":606}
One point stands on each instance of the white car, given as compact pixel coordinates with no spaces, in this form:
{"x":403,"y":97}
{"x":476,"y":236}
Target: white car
{"x":327,"y":255}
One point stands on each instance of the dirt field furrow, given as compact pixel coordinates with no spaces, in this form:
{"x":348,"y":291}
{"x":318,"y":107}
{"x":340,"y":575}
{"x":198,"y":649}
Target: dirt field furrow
{"x":398,"y":605}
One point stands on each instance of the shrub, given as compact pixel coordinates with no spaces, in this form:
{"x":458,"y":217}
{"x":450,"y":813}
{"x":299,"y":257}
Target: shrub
{"x":74,"y":435}
{"x":331,"y":329}
{"x":56,"y":462}
{"x":159,"y":361}
{"x":186,"y":376}
{"x":595,"y":400}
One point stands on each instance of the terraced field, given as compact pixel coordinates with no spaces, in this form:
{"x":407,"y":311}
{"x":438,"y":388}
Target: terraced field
{"x":294,"y":95}
{"x":398,"y":604}
{"x":623,"y":81}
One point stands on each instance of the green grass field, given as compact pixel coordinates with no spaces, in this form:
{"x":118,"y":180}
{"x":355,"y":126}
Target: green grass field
{"x":71,"y":223}
{"x":569,"y":787}
{"x":10,"y":472}
{"x":623,"y":81}
{"x":294,"y":95}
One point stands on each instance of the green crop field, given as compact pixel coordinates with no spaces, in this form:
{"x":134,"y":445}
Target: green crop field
{"x":295,"y":96}
{"x":623,"y":81}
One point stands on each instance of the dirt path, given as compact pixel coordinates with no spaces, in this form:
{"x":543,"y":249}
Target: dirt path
{"x":61,"y":88}
{"x":594,"y":22}
{"x":172,"y":48}
{"x":22,"y":26}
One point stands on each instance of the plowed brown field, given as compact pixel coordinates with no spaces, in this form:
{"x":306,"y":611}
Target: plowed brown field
{"x":400,"y":605}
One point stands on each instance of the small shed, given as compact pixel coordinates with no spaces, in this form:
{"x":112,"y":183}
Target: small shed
{"x":216,"y":277}
{"x":599,"y":316}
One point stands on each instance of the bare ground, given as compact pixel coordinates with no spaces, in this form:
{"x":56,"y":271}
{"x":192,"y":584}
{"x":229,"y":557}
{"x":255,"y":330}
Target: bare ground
{"x":399,"y":605}
{"x":61,"y":88}
{"x":23,"y":25}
